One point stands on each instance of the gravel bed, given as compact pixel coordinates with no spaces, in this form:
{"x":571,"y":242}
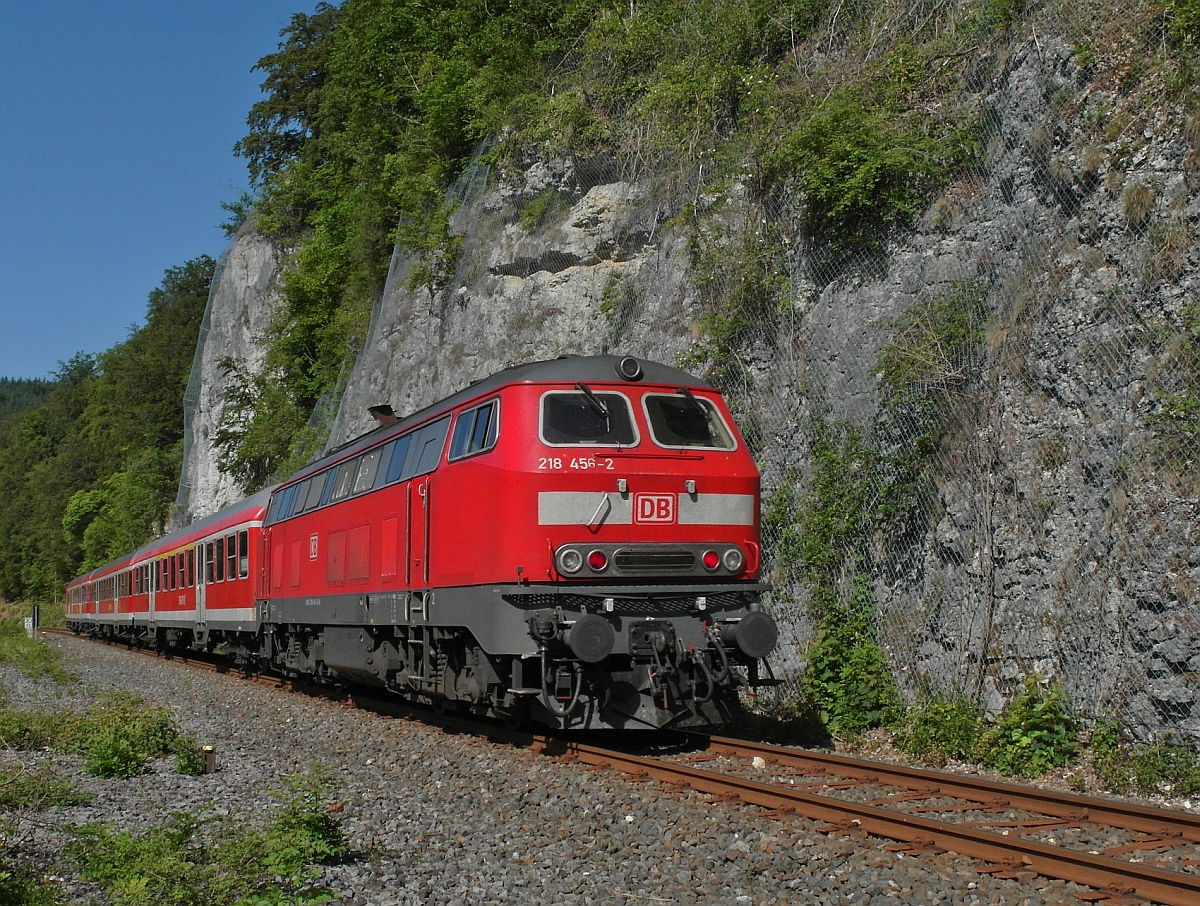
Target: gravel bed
{"x":435,"y":818}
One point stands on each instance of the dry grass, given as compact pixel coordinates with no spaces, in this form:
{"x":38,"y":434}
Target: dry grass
{"x":1137,"y":202}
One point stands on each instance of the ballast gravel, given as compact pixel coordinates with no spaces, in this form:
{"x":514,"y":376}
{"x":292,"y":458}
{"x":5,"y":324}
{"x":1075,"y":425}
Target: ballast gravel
{"x":437,"y":818}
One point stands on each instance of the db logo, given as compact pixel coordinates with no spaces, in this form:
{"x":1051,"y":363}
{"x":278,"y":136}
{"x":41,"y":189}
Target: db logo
{"x":654,"y":507}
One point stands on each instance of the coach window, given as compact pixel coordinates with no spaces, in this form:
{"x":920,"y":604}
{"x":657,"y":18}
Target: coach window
{"x":191,"y":561}
{"x":396,"y":463}
{"x":366,"y":471}
{"x":209,"y":576}
{"x":475,"y":431}
{"x":231,"y":569}
{"x":221,"y":559}
{"x":587,"y":418}
{"x":243,"y":554}
{"x":173,"y":576}
{"x":682,"y":419}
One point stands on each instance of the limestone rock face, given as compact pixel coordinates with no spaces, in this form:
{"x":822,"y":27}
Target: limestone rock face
{"x":590,"y":274}
{"x":240,"y":306}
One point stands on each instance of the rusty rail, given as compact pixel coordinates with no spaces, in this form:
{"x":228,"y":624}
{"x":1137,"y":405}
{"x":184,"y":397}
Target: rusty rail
{"x":1104,"y":873}
{"x":1109,"y":812}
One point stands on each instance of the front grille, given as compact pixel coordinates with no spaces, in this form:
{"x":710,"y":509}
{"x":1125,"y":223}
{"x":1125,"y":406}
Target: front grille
{"x":655,"y":561}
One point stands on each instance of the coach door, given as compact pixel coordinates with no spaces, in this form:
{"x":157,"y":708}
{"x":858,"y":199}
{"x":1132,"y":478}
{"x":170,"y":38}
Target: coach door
{"x":201,"y":587}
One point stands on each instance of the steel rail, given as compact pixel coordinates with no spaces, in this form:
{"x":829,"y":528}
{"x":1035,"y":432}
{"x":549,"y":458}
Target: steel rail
{"x":1108,"y":812}
{"x":1172,"y":888}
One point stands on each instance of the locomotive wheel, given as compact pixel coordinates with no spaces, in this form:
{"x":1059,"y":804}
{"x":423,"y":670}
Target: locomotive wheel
{"x":516,"y":718}
{"x":443,"y":706}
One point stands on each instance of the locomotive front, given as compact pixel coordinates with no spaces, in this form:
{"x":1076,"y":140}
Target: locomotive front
{"x":643,"y":507}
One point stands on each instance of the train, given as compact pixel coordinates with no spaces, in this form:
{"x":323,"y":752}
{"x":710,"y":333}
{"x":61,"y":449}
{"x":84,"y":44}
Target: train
{"x":572,"y":543}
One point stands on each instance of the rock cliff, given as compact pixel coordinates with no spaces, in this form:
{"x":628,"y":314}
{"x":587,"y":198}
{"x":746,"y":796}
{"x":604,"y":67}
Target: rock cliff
{"x":241,"y":303}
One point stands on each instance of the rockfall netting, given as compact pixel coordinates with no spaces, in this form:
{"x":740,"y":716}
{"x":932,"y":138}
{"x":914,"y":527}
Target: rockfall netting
{"x":981,"y":435}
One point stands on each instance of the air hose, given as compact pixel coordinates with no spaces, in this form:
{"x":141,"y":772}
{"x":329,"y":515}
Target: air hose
{"x":549,"y":699}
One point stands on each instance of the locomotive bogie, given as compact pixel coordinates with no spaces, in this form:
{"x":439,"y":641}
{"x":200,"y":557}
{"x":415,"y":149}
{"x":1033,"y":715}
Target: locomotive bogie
{"x":574,"y":541}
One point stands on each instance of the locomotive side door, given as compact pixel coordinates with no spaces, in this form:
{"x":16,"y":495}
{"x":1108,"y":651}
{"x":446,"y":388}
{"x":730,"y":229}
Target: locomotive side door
{"x":264,"y":537}
{"x":418,"y":532}
{"x":424,"y":454}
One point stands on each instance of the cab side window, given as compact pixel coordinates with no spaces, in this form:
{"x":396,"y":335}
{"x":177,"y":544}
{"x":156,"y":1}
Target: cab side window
{"x":475,"y":431}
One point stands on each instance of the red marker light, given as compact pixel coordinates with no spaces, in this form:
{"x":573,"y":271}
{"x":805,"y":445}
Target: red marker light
{"x":597,"y":560}
{"x":711,"y":560}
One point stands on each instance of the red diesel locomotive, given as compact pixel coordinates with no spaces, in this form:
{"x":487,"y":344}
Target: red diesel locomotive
{"x":575,"y":541}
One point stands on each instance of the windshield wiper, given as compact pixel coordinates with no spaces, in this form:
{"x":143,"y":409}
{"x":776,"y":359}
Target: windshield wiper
{"x":691,"y":398}
{"x":595,"y":402}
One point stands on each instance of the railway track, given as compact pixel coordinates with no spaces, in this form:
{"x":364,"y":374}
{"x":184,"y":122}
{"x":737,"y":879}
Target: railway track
{"x":1125,"y":852}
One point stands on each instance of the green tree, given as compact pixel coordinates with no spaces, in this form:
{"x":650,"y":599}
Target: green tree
{"x":18,"y":394}
{"x":89,"y":473}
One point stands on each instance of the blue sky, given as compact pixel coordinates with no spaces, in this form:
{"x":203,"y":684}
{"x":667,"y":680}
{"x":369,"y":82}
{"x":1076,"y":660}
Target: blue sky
{"x":117,"y":122}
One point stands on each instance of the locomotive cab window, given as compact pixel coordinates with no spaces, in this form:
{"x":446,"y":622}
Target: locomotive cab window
{"x":475,"y":431}
{"x":685,"y":420}
{"x":582,"y":417}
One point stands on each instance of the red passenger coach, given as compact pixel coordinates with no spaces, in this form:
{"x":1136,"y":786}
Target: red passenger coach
{"x":573,"y":541}
{"x":182,"y":589}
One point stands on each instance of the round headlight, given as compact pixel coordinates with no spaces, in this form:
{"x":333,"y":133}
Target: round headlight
{"x":734,"y":561}
{"x":710,"y":560}
{"x":569,"y":560}
{"x":598,"y":561}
